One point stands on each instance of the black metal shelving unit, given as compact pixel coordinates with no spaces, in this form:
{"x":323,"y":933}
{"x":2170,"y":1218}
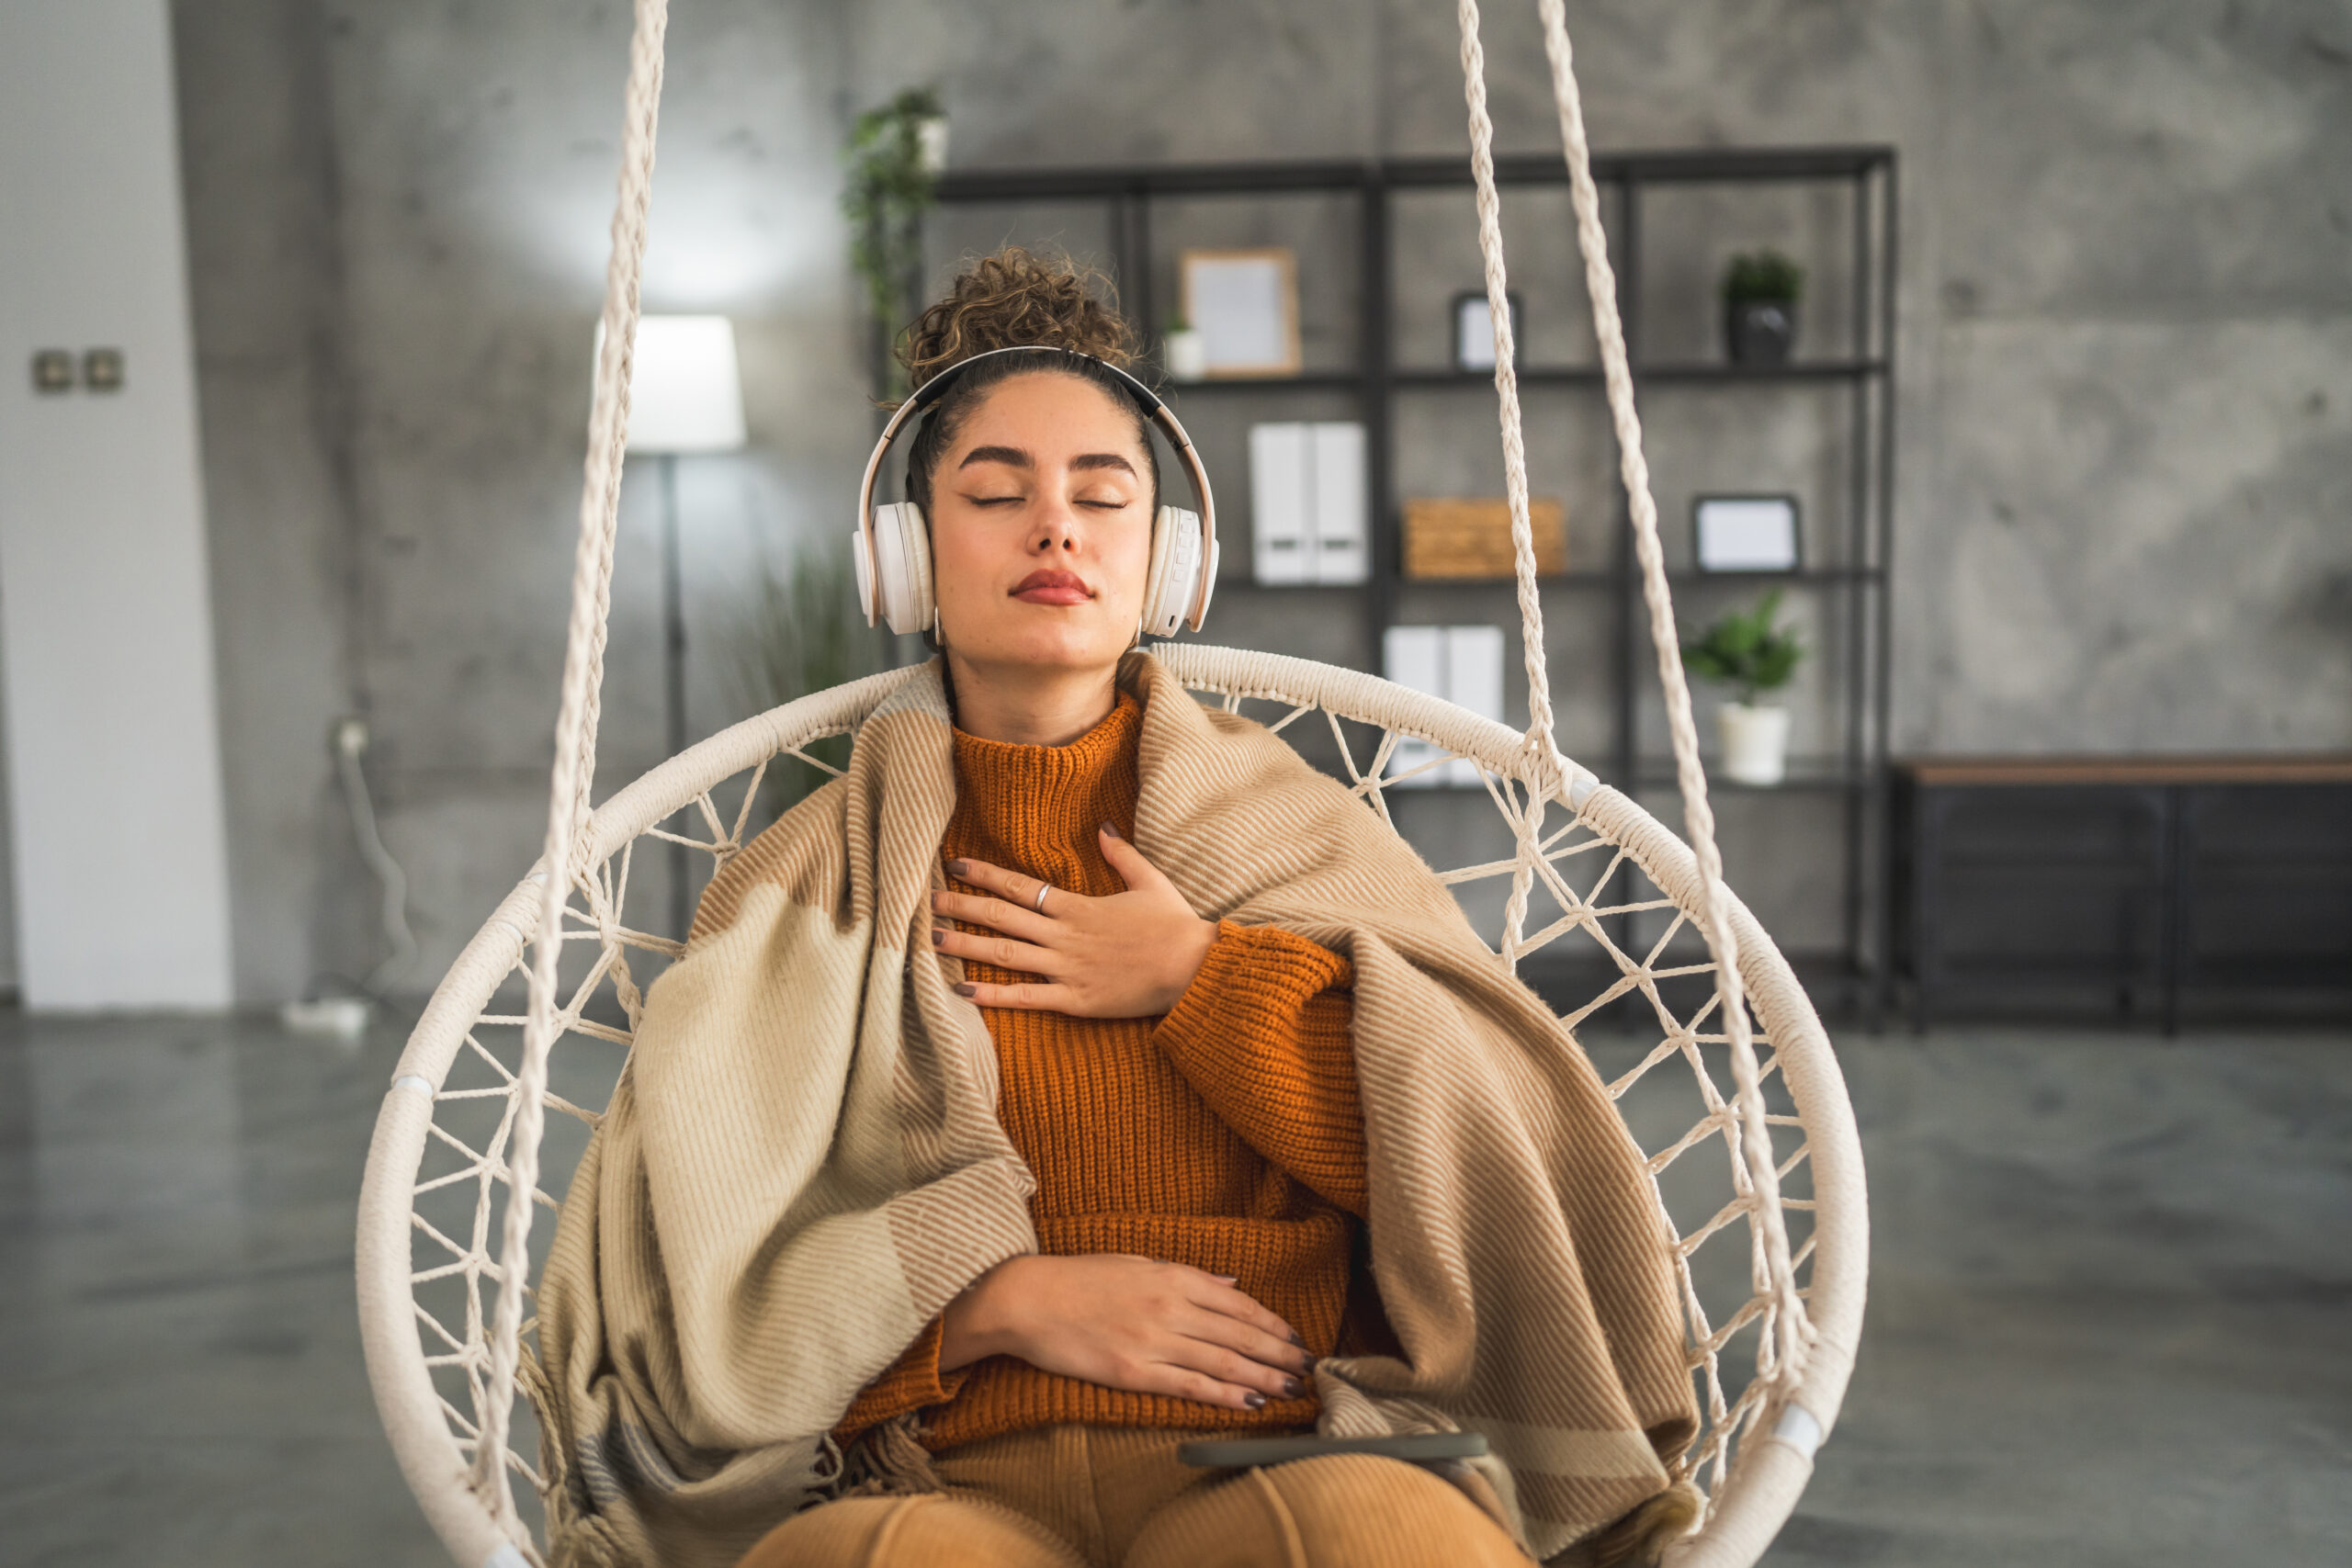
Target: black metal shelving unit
{"x":1857,"y":582}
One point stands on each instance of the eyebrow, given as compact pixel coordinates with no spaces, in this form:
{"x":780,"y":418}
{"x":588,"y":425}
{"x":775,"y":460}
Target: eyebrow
{"x":1014,"y":457}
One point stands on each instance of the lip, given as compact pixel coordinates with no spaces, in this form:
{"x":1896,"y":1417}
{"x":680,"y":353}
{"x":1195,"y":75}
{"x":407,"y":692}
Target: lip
{"x":1047,"y":587}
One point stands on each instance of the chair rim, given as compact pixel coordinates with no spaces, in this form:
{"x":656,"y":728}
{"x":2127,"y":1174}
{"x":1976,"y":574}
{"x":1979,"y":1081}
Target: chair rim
{"x":1770,"y":1468}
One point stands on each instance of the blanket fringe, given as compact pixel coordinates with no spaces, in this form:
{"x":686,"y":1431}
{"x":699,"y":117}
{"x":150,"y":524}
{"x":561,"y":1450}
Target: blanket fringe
{"x":889,"y":1460}
{"x":1640,"y":1538}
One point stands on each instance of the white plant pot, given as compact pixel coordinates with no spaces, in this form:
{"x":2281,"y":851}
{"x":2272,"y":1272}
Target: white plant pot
{"x":1756,"y":743}
{"x":1188,"y":355}
{"x":930,"y":145}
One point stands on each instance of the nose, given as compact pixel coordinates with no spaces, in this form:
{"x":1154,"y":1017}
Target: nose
{"x":1056,"y":530}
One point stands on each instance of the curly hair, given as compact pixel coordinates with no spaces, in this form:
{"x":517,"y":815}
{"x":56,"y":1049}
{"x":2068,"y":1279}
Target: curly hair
{"x":1014,"y":300}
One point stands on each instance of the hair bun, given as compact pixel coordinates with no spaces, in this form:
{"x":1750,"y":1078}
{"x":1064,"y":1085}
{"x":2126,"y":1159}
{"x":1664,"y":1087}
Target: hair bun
{"x":1012,"y":299}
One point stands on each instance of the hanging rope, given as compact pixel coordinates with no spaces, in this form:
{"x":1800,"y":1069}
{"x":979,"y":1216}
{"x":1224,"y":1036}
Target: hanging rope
{"x":1543,"y":750}
{"x":575,"y":737}
{"x":1783,"y":1352}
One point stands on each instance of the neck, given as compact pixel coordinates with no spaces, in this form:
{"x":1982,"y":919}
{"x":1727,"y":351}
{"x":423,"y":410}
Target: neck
{"x":1025,"y":705}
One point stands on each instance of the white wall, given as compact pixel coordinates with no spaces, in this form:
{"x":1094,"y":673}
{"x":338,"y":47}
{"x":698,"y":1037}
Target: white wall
{"x":105,"y":639}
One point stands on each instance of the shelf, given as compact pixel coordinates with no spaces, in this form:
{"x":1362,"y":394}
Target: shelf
{"x":1697,"y":374}
{"x":1313,"y":381}
{"x":1368,"y":206}
{"x":1736,"y":165}
{"x":1702,"y":373}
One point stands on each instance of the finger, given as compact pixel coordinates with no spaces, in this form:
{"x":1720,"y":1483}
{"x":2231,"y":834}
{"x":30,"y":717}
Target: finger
{"x":1178,"y":1380}
{"x":995,"y":913}
{"x":1219,"y":1294}
{"x":1024,"y":998}
{"x":1232,"y":1369}
{"x":1013,"y":886}
{"x":1127,"y":860}
{"x":1271,"y":1350}
{"x":1002,"y":951}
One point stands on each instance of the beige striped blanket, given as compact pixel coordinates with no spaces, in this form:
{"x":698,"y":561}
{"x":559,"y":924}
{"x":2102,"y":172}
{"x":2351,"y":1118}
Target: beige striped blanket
{"x":801,"y":1163}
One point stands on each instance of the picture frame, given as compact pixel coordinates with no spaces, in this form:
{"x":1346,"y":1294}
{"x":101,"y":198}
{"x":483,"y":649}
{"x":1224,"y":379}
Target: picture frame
{"x":1244,"y":303}
{"x":1473,"y":328}
{"x":1748,"y":534}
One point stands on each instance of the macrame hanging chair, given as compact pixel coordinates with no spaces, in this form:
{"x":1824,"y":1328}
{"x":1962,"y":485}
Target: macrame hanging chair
{"x":461,"y":1128}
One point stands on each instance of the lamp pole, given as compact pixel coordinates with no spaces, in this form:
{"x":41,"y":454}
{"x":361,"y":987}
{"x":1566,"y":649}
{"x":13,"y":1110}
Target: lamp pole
{"x":674,"y":677}
{"x":686,"y":395}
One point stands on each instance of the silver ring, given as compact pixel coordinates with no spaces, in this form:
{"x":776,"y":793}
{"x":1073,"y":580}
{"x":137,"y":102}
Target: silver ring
{"x":1043,"y":888}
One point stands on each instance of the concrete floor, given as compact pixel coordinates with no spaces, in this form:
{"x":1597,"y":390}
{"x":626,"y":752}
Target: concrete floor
{"x":2108,"y":1318}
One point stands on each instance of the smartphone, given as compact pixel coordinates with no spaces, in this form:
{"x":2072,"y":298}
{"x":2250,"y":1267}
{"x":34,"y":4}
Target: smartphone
{"x":1243,"y":1453}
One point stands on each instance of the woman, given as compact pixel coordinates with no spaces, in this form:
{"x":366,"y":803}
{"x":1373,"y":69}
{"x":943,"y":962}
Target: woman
{"x":1176,"y":1096}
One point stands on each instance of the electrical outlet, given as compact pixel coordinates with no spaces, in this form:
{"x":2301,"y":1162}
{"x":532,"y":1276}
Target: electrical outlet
{"x":52,"y":371}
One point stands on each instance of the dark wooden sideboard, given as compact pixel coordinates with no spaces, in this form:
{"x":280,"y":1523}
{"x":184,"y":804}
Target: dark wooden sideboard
{"x":2143,"y":884}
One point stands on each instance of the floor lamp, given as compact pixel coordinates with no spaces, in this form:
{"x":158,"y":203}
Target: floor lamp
{"x":684,"y":397}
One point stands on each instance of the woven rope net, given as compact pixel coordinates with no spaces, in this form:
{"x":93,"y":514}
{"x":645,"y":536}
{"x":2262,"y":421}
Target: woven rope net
{"x":1716,"y":1058}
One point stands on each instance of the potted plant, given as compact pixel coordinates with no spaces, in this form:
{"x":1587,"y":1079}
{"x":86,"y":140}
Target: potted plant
{"x":895,"y":155}
{"x":1183,"y":350}
{"x":1761,"y":291}
{"x":1745,"y":650}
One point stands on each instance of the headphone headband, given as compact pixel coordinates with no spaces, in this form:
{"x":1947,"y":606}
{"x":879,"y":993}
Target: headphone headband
{"x":1157,"y":411}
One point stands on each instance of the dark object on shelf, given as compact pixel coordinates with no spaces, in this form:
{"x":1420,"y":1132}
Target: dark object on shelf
{"x":1747,"y":533}
{"x":1760,"y":294}
{"x":1459,"y":539}
{"x":52,"y":371}
{"x":1474,"y":329}
{"x":1759,"y":331}
{"x":1851,"y":527}
{"x":2134,"y":885}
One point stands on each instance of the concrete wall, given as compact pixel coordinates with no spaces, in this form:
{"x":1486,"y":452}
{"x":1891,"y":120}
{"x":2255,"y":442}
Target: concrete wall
{"x":2125,"y":445}
{"x":114,"y":763}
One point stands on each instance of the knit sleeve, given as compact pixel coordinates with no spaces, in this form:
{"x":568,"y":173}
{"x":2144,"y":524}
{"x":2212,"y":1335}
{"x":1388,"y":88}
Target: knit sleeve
{"x":914,"y":1383}
{"x":1263,"y":1033}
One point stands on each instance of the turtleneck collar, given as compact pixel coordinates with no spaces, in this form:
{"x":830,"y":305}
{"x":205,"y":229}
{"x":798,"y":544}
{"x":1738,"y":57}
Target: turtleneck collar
{"x":1051,"y":797}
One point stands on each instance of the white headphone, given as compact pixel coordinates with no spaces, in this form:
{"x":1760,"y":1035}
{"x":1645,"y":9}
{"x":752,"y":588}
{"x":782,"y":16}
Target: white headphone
{"x":892,"y":545}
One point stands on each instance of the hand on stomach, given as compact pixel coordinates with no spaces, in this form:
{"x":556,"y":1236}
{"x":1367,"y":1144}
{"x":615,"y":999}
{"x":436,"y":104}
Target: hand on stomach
{"x":1128,"y":1323}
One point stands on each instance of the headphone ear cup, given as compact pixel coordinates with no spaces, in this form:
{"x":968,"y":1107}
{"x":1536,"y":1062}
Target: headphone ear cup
{"x":901,"y":570}
{"x":1175,"y":572}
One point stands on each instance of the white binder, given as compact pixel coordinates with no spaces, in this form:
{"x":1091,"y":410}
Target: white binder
{"x":1280,"y":503}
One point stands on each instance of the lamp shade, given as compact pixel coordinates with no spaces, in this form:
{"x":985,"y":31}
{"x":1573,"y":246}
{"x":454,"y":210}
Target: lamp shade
{"x":684,"y":393}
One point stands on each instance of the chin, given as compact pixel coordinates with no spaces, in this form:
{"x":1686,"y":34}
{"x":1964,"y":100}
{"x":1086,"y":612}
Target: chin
{"x":1057,"y":648}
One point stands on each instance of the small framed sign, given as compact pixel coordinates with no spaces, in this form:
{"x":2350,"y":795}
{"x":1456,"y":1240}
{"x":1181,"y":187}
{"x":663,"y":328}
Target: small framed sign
{"x":1474,"y":329}
{"x":1747,"y":533}
{"x":1245,"y":306}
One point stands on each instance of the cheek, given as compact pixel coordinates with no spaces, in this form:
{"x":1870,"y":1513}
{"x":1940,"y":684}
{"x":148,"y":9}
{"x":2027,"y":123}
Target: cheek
{"x":1126,"y":559}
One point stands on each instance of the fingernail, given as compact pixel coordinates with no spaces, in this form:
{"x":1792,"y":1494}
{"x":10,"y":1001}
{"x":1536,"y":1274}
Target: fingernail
{"x":1227,"y":1279}
{"x":964,"y":989}
{"x":1290,"y":1388}
{"x":1296,"y":1340}
{"x":1113,"y":829}
{"x":1308,"y":1369}
{"x":937,"y":936}
{"x":1254,"y":1400}
{"x":956,"y":868}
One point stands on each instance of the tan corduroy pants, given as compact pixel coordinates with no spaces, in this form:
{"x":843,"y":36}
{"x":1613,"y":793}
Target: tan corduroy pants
{"x":1117,"y":1497}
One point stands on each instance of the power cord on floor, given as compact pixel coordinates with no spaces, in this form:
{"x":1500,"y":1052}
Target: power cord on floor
{"x":345,"y":1017}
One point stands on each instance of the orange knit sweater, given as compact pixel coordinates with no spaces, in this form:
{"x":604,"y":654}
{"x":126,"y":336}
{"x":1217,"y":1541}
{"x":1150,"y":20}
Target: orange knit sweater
{"x":1226,"y":1136}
